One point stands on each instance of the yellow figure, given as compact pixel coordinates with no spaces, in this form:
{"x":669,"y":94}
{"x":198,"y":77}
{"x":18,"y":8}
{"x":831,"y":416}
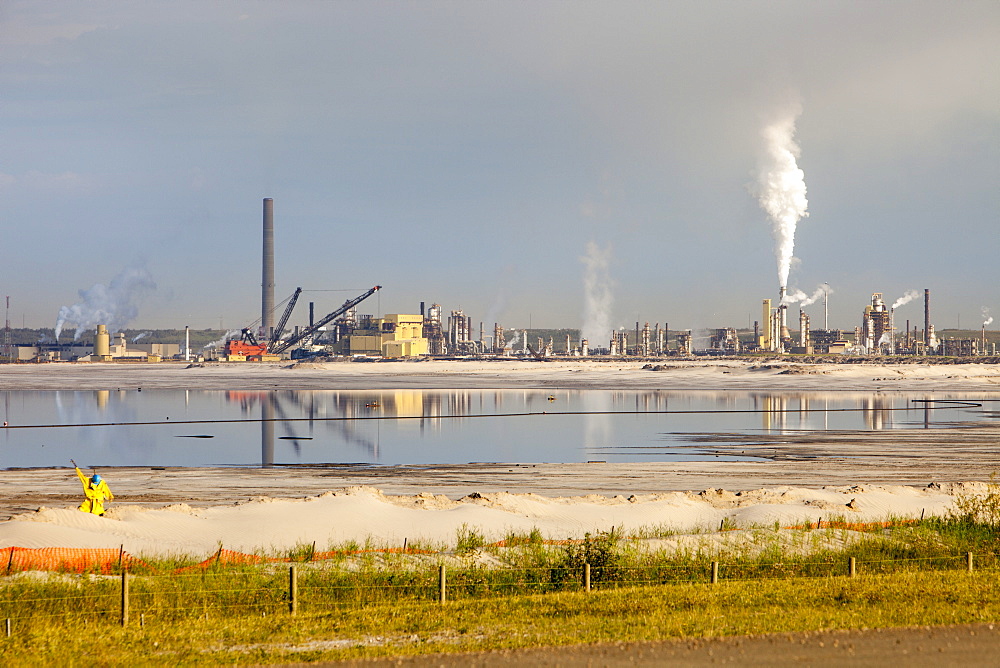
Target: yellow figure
{"x":96,"y":490}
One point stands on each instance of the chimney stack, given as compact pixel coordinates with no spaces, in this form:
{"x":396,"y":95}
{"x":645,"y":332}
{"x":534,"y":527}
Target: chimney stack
{"x":927,"y":317}
{"x":267,"y":282}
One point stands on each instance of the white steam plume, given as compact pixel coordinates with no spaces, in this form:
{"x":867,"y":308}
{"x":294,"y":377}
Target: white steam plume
{"x":514,"y":339}
{"x":113,"y":304}
{"x":806,"y":300}
{"x":793,"y":297}
{"x":139,"y":337}
{"x":905,"y":299}
{"x":987,"y":318}
{"x":597,"y":292}
{"x":815,"y":296}
{"x":219,"y":342}
{"x":780,"y":187}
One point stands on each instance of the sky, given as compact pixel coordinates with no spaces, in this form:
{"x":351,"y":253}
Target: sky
{"x":470,"y":153}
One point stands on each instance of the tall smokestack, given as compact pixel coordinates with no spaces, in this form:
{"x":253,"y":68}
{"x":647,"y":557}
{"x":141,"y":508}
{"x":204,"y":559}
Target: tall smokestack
{"x":267,"y":282}
{"x":927,"y":317}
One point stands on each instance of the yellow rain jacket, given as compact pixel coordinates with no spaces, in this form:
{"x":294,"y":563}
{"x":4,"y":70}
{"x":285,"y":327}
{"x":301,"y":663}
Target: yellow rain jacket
{"x":96,"y":494}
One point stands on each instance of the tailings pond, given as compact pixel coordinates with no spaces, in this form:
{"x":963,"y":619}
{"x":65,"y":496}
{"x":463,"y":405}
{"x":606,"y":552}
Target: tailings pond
{"x":404,"y":427}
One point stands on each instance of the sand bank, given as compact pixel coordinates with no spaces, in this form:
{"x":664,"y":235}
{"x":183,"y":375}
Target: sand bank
{"x":479,"y":374}
{"x":360,"y":514}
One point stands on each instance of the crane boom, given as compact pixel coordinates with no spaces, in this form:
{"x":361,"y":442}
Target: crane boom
{"x":280,"y":327}
{"x":309,"y":331}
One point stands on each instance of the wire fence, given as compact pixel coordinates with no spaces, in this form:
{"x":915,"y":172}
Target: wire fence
{"x":318,"y":587}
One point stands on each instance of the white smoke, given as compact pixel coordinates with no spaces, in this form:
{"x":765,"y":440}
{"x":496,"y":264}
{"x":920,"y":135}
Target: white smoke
{"x":514,"y":339}
{"x":218,"y":343}
{"x":597,"y":286}
{"x":807,"y":300}
{"x":113,"y":304}
{"x":796,"y":296}
{"x":814,"y":297}
{"x":987,"y":318}
{"x":905,"y":299}
{"x":780,"y":187}
{"x":138,"y":337}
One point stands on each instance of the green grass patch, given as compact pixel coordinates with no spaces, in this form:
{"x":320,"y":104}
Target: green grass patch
{"x":522,"y":594}
{"x":411,"y":627}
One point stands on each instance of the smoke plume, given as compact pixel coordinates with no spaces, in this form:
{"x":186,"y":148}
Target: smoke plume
{"x":113,"y":304}
{"x":219,"y":342}
{"x":514,"y":339}
{"x":139,"y":337}
{"x":806,"y":300}
{"x":987,"y":318}
{"x":780,"y":187}
{"x":597,"y":286}
{"x":905,"y":299}
{"x":793,"y":297}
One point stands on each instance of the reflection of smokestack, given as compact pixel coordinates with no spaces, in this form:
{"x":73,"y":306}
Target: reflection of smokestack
{"x":267,"y":283}
{"x":927,"y":317}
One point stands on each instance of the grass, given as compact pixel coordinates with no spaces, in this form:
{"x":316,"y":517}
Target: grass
{"x":412,"y":627}
{"x":522,"y":594}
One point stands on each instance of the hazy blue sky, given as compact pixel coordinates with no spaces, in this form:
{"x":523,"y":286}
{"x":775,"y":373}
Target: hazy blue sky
{"x":466,"y":152}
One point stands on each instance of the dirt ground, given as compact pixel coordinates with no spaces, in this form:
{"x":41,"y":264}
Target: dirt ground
{"x":938,"y":646}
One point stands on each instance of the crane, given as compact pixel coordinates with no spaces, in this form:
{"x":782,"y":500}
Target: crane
{"x":248,"y":345}
{"x":309,"y":331}
{"x":280,"y":327}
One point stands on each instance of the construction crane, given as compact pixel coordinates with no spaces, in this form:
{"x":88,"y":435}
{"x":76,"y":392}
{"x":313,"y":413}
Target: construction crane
{"x":249,"y":347}
{"x":312,"y":329}
{"x":280,"y":327}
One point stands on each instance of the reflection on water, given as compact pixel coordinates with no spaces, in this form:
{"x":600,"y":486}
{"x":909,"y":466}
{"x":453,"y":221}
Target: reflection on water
{"x":163,"y":428}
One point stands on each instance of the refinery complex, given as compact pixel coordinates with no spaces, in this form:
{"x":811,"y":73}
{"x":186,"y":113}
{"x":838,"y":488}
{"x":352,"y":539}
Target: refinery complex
{"x":346,"y":333}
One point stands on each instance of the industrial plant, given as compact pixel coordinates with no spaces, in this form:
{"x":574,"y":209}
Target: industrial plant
{"x":344,"y":333}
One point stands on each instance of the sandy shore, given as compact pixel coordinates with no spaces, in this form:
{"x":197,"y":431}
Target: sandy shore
{"x":477,"y":374}
{"x":805,"y":476}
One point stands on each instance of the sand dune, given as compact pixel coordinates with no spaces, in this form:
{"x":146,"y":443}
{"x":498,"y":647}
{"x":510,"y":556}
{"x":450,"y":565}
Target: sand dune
{"x":364,"y":513}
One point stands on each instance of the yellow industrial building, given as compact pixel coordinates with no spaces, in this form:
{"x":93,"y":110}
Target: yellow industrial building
{"x":395,"y":335}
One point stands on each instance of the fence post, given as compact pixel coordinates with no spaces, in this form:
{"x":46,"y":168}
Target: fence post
{"x":715,"y":572}
{"x":852,"y":567}
{"x":442,"y":585}
{"x":293,"y":590}
{"x":124,"y":598}
{"x":586,"y":577}
{"x":8,"y":627}
{"x":968,"y":561}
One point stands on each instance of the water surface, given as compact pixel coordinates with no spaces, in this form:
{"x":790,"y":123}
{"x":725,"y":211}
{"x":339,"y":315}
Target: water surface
{"x":394,"y":427}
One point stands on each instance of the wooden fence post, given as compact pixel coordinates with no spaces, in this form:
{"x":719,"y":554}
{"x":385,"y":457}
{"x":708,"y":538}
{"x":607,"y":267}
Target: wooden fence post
{"x":852,"y":567}
{"x":442,"y":585}
{"x":586,"y":577}
{"x":124,"y":598}
{"x":293,"y":590}
{"x":715,"y":572}
{"x":968,"y":561}
{"x":8,"y":627}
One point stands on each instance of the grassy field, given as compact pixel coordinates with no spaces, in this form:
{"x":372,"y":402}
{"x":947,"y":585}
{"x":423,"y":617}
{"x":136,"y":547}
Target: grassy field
{"x":526,"y":593}
{"x":411,"y":627}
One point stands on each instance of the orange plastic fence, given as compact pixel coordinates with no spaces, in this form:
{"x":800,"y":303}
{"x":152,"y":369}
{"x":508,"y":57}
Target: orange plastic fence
{"x":854,"y":526}
{"x":74,"y":559}
{"x":107,"y":559}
